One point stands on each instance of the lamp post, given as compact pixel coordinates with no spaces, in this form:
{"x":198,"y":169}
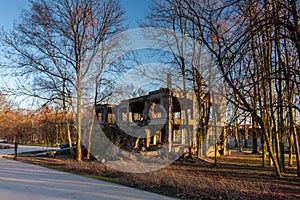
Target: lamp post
{"x":16,"y":149}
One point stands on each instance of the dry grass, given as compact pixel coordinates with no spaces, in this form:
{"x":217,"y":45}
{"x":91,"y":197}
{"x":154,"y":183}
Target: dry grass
{"x":204,"y":182}
{"x":237,"y":177}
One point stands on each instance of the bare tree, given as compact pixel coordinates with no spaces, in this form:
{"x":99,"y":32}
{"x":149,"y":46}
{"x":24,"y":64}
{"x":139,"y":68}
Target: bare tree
{"x":187,"y":57}
{"x":255,"y":44}
{"x":4,"y":104}
{"x":255,"y":57}
{"x":55,"y":46}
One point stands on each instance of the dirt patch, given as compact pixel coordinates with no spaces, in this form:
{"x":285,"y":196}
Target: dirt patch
{"x":236,"y":177}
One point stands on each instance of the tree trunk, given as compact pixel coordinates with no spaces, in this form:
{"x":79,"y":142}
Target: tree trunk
{"x":88,"y":156}
{"x":296,"y":140}
{"x":291,"y":144}
{"x":200,"y":143}
{"x":268,"y":144}
{"x":264,"y":150}
{"x":280,"y":125}
{"x":254,"y":136}
{"x":69,"y":137}
{"x":246,"y":134}
{"x":236,"y":132}
{"x":79,"y":120}
{"x":270,"y":140}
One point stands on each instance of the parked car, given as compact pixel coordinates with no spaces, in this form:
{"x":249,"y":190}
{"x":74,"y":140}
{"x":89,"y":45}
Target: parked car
{"x":3,"y":140}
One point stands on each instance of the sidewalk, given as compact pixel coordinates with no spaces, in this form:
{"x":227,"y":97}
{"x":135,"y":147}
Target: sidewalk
{"x":30,"y":182}
{"x":22,"y":148}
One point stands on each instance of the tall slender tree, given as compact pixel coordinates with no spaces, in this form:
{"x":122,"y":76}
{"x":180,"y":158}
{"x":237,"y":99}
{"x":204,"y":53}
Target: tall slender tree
{"x":56,"y":45}
{"x":245,"y":52}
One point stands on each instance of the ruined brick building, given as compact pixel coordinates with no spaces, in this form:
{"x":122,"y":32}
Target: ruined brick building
{"x":162,"y":118}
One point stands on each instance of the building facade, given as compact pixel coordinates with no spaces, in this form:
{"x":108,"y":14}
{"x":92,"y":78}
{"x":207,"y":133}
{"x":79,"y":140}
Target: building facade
{"x":163,"y":118}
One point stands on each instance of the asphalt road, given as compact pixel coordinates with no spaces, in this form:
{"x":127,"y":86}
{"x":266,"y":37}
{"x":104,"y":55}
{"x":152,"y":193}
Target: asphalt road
{"x":30,"y":182}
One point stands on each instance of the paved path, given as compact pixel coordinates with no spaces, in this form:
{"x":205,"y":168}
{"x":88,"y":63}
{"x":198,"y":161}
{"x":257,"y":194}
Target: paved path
{"x":30,"y":182}
{"x":22,"y":148}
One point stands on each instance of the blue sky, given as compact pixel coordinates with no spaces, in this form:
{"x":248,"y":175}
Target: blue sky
{"x":10,"y":10}
{"x":135,"y":10}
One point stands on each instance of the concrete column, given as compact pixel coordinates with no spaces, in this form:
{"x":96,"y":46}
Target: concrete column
{"x":148,"y":137}
{"x":154,"y":139}
{"x":130,"y":116}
